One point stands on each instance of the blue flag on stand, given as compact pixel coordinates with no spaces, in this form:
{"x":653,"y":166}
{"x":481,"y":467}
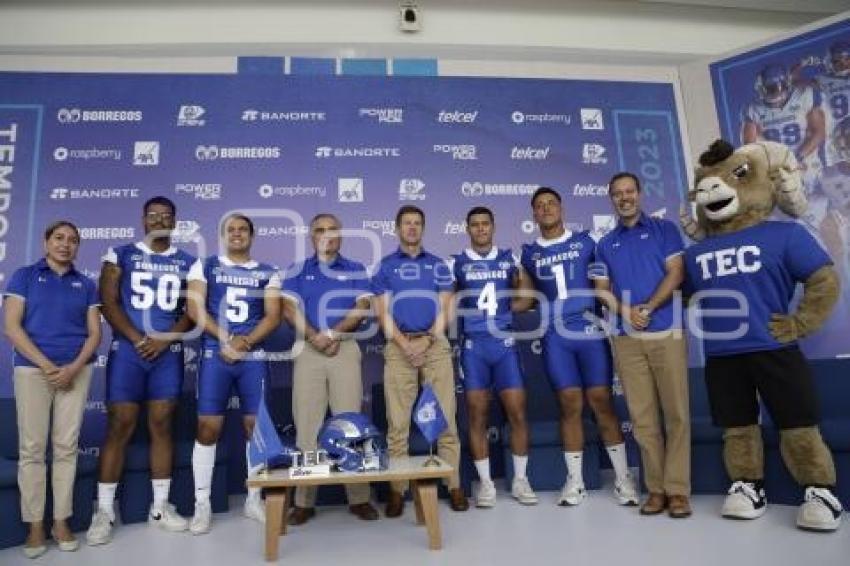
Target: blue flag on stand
{"x":265,"y":450}
{"x":428,"y":415}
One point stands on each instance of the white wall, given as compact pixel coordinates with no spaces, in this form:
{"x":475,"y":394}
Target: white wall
{"x":593,"y":31}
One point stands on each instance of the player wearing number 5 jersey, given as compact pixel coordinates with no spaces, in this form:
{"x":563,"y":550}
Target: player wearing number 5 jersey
{"x":236,"y":301}
{"x":485,"y":277}
{"x":142,"y":289}
{"x":575,"y":348}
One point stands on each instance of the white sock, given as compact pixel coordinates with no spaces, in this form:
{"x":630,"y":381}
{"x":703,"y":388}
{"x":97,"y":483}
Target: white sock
{"x":160,"y":492}
{"x":573,"y":460}
{"x":203,"y":462}
{"x":520,"y":463}
{"x":106,"y":497}
{"x":483,"y":467}
{"x":617,"y":453}
{"x":253,"y":492}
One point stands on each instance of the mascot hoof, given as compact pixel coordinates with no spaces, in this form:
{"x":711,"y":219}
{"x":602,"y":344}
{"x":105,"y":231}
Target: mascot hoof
{"x":744,"y":501}
{"x":821,"y":510}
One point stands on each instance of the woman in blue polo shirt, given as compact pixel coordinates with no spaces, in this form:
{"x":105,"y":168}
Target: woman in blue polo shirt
{"x":52,"y":320}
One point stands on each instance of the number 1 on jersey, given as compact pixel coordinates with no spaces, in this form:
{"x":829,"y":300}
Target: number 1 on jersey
{"x":560,"y":281}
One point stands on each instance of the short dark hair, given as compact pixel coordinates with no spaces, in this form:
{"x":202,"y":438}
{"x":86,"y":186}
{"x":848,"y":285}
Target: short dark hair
{"x":53,"y":226}
{"x":325,"y":215}
{"x":165,"y":201}
{"x":238,"y":216}
{"x":479,"y":210}
{"x":623,"y":175}
{"x":409,"y":209}
{"x":544,"y":191}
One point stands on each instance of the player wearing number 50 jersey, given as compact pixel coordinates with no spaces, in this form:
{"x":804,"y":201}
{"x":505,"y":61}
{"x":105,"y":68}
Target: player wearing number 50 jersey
{"x":236,"y":301}
{"x":485,"y":277}
{"x":142,"y":289}
{"x":575,"y":349}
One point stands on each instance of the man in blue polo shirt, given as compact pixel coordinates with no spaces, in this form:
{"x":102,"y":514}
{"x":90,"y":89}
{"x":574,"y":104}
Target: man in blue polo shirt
{"x":413,"y":294}
{"x":643,"y":268}
{"x":325,"y":298}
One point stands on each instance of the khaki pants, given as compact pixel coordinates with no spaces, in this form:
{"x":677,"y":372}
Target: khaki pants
{"x":320,"y":381}
{"x":36,"y":400}
{"x":653,"y":369}
{"x":401,"y":388}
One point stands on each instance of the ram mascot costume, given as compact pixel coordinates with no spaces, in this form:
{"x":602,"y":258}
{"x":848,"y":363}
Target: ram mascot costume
{"x":743,"y":271}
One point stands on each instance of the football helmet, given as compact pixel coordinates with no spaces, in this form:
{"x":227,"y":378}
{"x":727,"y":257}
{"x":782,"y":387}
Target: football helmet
{"x":353,"y":443}
{"x":773,"y":85}
{"x":837,"y":60}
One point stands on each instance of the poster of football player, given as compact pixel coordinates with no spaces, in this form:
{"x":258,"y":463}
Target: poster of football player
{"x":797,"y":92}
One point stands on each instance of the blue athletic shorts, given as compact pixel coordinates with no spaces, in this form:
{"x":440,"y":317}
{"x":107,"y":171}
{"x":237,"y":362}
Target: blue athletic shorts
{"x":487,"y":362}
{"x":217,"y":378}
{"x":130,"y":378}
{"x":578,"y":363}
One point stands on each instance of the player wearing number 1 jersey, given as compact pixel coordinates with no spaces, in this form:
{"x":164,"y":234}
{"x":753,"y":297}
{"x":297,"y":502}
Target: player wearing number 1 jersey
{"x":142,"y":289}
{"x":575,"y":349}
{"x":236,"y":301}
{"x":484,"y":279}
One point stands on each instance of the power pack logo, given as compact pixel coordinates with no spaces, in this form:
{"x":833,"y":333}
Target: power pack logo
{"x":383,"y":115}
{"x":459,"y":152}
{"x":214,"y":152}
{"x":201,"y":191}
{"x":191,"y":115}
{"x":146,"y":153}
{"x":75,"y":115}
{"x":593,"y":154}
{"x":411,"y":189}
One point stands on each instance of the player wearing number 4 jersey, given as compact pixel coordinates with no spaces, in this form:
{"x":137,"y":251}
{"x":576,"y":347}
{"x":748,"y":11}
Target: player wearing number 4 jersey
{"x":142,"y":289}
{"x":575,"y":349}
{"x":236,"y":301}
{"x":484,"y":279}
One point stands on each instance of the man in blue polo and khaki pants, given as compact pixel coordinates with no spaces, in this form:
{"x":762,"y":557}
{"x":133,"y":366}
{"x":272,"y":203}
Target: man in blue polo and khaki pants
{"x":643,"y":264}
{"x":413,"y":294}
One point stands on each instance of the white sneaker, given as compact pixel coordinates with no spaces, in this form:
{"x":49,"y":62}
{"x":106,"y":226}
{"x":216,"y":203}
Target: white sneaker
{"x":100,"y":530}
{"x":202,"y":519}
{"x":625,"y":491}
{"x":744,"y":501}
{"x":522,"y":492}
{"x":821,"y":510}
{"x":573,"y":493}
{"x":167,"y":519}
{"x":485,"y":497}
{"x":254,"y":509}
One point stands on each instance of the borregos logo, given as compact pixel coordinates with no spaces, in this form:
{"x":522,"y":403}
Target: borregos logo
{"x":75,"y":115}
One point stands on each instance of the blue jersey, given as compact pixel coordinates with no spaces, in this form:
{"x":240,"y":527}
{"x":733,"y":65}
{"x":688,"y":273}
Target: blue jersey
{"x":235,"y":293}
{"x":485,"y":285}
{"x":836,"y":107}
{"x":560,"y":269}
{"x":152,"y":284}
{"x":756,"y":271}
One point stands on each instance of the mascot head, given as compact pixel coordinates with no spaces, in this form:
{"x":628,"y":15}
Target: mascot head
{"x":738,"y":188}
